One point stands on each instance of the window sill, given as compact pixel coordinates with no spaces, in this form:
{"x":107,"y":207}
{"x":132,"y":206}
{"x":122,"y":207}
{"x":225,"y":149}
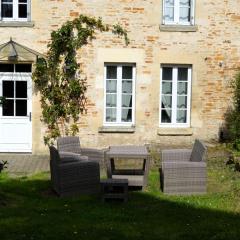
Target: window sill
{"x":175,"y":131}
{"x":16,"y":24}
{"x":178,"y":28}
{"x":116,"y":129}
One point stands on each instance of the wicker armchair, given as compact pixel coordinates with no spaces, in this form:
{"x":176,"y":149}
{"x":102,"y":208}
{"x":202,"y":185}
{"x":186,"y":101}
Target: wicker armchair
{"x":184,"y":171}
{"x":67,"y":145}
{"x":73,"y":174}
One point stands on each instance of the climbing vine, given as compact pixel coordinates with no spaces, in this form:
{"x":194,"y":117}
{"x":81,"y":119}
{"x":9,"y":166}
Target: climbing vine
{"x":2,"y":99}
{"x":58,"y":77}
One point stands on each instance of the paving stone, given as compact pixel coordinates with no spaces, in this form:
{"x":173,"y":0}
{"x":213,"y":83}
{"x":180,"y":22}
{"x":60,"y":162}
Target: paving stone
{"x":25,"y":164}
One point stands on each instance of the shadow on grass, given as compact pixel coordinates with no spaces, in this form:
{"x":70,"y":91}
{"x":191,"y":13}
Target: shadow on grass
{"x":32,"y":212}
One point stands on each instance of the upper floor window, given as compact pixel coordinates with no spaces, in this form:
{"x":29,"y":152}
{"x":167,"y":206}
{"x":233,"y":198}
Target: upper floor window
{"x":178,"y":12}
{"x":119,"y":94}
{"x":175,"y":96}
{"x":15,"y":10}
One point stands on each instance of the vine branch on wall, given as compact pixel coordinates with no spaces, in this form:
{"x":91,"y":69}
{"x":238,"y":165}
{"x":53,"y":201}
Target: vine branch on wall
{"x":58,"y":76}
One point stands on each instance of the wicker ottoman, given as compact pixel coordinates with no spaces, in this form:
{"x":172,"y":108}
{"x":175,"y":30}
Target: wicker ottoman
{"x":114,"y":189}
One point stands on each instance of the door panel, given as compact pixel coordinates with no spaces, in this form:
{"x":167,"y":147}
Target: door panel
{"x":15,"y":123}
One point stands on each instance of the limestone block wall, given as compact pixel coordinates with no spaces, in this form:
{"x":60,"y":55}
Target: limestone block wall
{"x":213,"y":50}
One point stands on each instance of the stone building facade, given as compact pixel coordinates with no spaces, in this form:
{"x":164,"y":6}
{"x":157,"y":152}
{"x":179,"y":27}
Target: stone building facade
{"x":170,"y":85}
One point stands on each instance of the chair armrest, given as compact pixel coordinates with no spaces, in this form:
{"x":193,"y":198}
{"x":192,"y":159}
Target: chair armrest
{"x":183,"y":165}
{"x":175,"y":155}
{"x":93,"y":154}
{"x":71,"y":157}
{"x":75,"y":166}
{"x":75,"y":171}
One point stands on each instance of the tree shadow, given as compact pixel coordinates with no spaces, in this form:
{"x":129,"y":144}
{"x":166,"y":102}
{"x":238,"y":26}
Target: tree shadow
{"x":32,"y":214}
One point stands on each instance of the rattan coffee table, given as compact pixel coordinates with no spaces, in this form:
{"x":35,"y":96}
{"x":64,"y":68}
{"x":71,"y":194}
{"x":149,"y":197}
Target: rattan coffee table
{"x":136,"y":177}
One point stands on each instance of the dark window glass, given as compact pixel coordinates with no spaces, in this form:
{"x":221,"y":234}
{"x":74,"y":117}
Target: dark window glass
{"x":21,"y":107}
{"x":166,"y":116}
{"x":8,"y":89}
{"x":21,"y":89}
{"x":22,"y":10}
{"x":23,"y":67}
{"x":127,"y":72}
{"x":167,"y":73}
{"x":8,"y":108}
{"x":182,"y":74}
{"x":111,"y":72}
{"x":6,"y":68}
{"x":126,"y":115}
{"x":23,"y":1}
{"x":7,"y":10}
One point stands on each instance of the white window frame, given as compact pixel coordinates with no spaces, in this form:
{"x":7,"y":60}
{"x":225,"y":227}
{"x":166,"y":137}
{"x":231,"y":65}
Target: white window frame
{"x":176,"y":14}
{"x":174,"y":124}
{"x":15,"y":12}
{"x":119,"y":95}
{"x":15,"y":77}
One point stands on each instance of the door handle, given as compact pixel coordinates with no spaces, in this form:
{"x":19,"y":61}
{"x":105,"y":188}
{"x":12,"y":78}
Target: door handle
{"x":30,"y":116}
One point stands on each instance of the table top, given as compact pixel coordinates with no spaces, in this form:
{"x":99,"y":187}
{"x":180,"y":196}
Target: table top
{"x":127,"y":151}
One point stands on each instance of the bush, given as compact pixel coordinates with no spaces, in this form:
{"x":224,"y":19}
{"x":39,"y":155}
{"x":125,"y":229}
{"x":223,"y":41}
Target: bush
{"x":234,"y":162}
{"x":3,"y":165}
{"x":232,"y":117}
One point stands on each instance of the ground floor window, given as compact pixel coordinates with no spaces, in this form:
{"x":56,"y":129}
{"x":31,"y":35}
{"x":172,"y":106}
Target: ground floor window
{"x":14,"y":10}
{"x":119,"y":94}
{"x":14,"y":88}
{"x":175,"y":95}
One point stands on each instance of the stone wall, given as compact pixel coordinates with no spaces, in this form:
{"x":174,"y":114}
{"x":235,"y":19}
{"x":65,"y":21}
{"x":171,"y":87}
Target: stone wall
{"x":213,"y":50}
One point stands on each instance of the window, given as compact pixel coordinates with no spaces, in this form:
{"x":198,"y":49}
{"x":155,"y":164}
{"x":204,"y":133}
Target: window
{"x":22,"y":67}
{"x":15,"y":93}
{"x":178,"y":12}
{"x":15,"y":10}
{"x":175,"y":96}
{"x":14,"y":90}
{"x":119,"y":95}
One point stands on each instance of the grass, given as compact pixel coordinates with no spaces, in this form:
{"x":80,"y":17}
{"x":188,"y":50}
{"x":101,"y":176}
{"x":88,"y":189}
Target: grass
{"x":28,"y":210}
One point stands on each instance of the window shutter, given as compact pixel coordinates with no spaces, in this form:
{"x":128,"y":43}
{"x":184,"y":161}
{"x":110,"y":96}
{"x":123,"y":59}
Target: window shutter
{"x":28,"y":10}
{"x":192,"y":12}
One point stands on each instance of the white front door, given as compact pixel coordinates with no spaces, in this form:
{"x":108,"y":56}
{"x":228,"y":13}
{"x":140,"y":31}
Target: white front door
{"x":15,"y":113}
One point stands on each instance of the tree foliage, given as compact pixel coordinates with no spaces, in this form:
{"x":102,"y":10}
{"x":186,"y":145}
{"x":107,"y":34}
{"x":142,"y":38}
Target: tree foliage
{"x":233,"y":114}
{"x":2,"y":99}
{"x":58,"y":78}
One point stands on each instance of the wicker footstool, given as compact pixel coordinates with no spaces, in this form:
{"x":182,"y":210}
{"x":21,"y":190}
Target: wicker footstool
{"x":114,"y":189}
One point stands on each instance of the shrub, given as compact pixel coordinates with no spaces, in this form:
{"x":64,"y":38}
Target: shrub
{"x":3,"y":165}
{"x":232,"y":117}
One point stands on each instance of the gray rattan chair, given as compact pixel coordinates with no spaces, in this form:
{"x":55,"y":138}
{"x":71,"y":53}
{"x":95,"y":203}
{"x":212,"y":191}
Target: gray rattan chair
{"x":184,"y":171}
{"x":71,"y":144}
{"x":73,"y":174}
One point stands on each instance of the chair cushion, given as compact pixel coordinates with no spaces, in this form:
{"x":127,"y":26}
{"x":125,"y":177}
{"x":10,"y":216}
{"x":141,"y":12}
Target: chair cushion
{"x":66,"y":157}
{"x":198,"y":152}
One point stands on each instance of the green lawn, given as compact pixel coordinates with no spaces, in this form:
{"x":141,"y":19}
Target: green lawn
{"x":28,"y":210}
